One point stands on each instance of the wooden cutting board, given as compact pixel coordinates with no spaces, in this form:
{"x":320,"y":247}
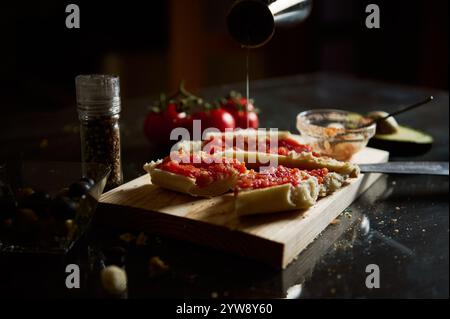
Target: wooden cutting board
{"x":274,"y":239}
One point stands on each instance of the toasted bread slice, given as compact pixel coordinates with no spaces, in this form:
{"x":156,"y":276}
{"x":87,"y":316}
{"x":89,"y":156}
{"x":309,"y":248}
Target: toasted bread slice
{"x":195,"y":179}
{"x":305,"y":159}
{"x":278,"y":198}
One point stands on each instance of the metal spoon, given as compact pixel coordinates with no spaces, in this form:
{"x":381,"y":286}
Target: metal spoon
{"x":428,"y":99}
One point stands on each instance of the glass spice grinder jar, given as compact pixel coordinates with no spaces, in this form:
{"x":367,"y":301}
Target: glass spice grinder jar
{"x":99,"y":105}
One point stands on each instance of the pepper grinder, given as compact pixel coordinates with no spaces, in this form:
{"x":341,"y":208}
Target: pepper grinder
{"x":99,"y":106}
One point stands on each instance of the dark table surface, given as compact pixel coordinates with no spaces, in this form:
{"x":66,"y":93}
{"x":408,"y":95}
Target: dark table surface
{"x":400,"y":224}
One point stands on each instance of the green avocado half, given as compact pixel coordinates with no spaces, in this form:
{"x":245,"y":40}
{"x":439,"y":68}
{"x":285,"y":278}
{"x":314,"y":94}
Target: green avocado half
{"x":405,"y":142}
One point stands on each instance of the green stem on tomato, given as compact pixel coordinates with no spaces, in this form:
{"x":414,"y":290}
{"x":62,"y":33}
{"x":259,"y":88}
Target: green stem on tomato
{"x":185,"y":92}
{"x":162,"y":101}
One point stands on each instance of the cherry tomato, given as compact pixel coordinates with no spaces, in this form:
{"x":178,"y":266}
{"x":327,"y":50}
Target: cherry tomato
{"x":178,"y":119}
{"x":157,"y":128}
{"x":240,"y":104}
{"x":215,"y":118}
{"x":246,"y":119}
{"x":244,"y":115}
{"x":158,"y":125}
{"x":184,"y":121}
{"x":171,"y":112}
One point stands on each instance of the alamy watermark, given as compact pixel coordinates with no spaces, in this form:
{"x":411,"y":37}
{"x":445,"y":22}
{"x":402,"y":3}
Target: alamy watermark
{"x":373,"y":279}
{"x":73,"y":17}
{"x":73,"y":277}
{"x":257,"y":144}
{"x":373,"y":19}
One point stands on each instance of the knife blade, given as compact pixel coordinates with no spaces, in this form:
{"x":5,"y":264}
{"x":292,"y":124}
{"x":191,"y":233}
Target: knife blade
{"x":419,"y":168}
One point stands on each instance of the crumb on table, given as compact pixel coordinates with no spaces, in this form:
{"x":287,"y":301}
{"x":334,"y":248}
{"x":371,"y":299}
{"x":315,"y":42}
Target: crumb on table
{"x":157,"y":267}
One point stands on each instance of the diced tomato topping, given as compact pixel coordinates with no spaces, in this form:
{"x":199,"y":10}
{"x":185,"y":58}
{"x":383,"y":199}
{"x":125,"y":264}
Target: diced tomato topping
{"x":204,"y":172}
{"x":278,"y":176}
{"x":291,"y":145}
{"x":319,"y":174}
{"x":284,"y":146}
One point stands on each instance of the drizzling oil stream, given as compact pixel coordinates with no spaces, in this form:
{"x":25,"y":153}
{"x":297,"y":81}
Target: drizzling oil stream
{"x":247,"y":91}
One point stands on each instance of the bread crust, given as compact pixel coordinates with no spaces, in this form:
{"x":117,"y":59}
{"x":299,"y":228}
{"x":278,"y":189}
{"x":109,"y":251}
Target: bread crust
{"x":304,"y":161}
{"x":252,"y":133}
{"x":279,"y":198}
{"x":187,"y":185}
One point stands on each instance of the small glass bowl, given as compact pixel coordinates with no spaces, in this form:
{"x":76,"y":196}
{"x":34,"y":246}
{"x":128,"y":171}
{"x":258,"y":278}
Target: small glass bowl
{"x":335,"y":133}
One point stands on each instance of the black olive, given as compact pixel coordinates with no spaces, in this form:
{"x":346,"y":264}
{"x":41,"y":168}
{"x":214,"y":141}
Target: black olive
{"x":63,"y":208}
{"x":88,"y":180}
{"x":115,"y":255}
{"x":79,"y":188}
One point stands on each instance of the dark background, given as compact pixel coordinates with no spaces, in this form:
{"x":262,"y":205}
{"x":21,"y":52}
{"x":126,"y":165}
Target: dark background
{"x":151,"y":45}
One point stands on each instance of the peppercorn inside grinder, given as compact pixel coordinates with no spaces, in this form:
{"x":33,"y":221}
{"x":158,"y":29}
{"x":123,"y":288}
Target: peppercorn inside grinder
{"x":99,"y":106}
